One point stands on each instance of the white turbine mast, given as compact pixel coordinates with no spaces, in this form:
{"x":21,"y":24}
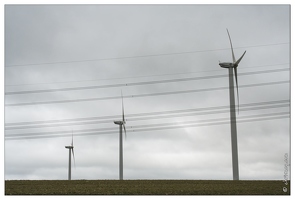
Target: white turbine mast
{"x":71,"y":151}
{"x":121,"y":124}
{"x":233,"y":124}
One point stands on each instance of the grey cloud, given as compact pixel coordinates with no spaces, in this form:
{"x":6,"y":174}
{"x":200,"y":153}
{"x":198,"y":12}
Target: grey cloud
{"x":56,"y":34}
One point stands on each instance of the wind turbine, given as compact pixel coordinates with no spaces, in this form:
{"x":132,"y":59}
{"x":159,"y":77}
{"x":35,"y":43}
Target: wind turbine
{"x":121,"y":124}
{"x":233,"y":124}
{"x":71,"y":149}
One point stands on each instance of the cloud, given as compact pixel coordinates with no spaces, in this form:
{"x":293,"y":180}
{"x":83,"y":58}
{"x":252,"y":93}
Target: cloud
{"x":54,"y":38}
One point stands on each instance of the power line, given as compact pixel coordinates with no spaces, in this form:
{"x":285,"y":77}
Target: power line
{"x":141,"y":56}
{"x":142,"y":83}
{"x":143,"y":95}
{"x":147,"y":114}
{"x":134,"y":77}
{"x":59,"y":132}
{"x":144,"y":126}
{"x":208,"y":124}
{"x":144,"y":118}
{"x":153,"y":116}
{"x":184,"y":123}
{"x":151,"y":127}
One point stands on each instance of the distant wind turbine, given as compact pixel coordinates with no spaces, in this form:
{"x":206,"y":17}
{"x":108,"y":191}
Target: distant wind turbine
{"x":234,"y":142}
{"x":121,"y":124}
{"x":71,"y":150}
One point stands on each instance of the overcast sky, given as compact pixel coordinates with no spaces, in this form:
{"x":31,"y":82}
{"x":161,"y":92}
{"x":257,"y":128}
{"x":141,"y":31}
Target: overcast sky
{"x":52,"y":47}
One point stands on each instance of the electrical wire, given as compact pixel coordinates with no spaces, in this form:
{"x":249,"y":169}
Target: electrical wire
{"x":208,"y":124}
{"x":143,"y":118}
{"x":140,"y":56}
{"x":151,"y":127}
{"x":142,"y":83}
{"x":143,"y":95}
{"x":135,"y":77}
{"x":145,"y":114}
{"x":151,"y":116}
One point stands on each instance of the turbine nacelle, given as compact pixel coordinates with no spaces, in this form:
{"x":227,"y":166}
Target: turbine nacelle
{"x":226,"y":65}
{"x":119,"y":122}
{"x":233,"y":64}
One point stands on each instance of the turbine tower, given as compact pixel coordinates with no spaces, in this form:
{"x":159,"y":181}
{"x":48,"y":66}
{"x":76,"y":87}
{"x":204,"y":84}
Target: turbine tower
{"x":121,"y":124}
{"x":232,"y":66}
{"x":71,"y":150}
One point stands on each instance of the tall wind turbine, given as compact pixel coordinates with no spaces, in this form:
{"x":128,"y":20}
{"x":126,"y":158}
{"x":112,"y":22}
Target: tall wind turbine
{"x":233,"y":124}
{"x":121,"y":124}
{"x":71,"y":150}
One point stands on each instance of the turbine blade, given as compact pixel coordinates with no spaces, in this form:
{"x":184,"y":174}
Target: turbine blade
{"x":232,"y":51}
{"x":123,"y":108}
{"x":74,"y":157}
{"x":125,"y":131}
{"x":236,"y":76}
{"x":238,"y":61}
{"x":72,"y":139}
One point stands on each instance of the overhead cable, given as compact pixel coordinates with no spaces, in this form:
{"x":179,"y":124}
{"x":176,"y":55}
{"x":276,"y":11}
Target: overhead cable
{"x":140,"y":56}
{"x":136,"y":77}
{"x":152,"y":127}
{"x":142,"y":95}
{"x":142,"y":83}
{"x":145,"y":114}
{"x":150,"y":116}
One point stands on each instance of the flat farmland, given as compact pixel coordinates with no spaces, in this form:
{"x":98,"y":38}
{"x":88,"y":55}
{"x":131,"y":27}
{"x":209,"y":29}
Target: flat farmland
{"x":145,"y":187}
